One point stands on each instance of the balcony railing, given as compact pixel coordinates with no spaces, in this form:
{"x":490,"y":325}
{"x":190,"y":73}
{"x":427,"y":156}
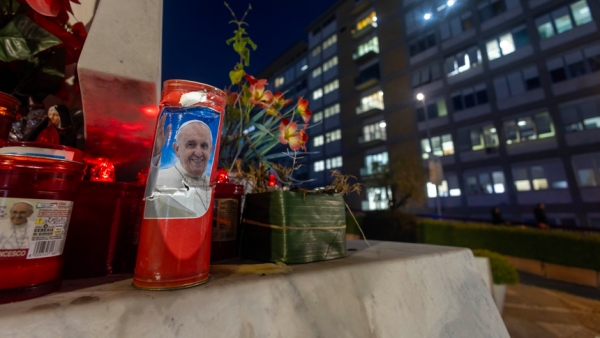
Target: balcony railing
{"x":372,"y":171}
{"x":372,"y":138}
{"x":365,"y":107}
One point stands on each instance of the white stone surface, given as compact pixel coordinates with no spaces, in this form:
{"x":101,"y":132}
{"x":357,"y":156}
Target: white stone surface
{"x":120,"y":78}
{"x":388,"y":290}
{"x":485,"y":269}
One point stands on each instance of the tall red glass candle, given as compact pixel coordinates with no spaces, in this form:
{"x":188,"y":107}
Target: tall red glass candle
{"x":174,"y":246}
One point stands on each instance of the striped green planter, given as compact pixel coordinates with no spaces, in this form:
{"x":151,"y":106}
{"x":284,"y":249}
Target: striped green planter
{"x":292,"y":227}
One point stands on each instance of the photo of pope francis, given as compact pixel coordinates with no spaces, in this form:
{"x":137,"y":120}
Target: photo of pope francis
{"x":17,"y":231}
{"x":182,"y":190}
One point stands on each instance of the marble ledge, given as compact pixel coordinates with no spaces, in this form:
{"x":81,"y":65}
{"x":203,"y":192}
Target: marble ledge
{"x":387,"y":290}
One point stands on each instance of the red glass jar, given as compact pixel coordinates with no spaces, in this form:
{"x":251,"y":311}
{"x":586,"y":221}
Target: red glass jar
{"x":36,"y":199}
{"x":226,"y":221}
{"x":93,"y":229}
{"x":175,"y":236}
{"x":9,"y":105}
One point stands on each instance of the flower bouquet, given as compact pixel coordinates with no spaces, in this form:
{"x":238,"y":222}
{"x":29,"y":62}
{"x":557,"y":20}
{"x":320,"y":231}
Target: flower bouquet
{"x":281,"y":222}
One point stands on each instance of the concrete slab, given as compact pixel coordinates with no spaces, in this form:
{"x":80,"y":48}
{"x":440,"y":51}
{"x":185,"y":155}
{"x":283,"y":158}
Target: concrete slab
{"x":387,"y":290}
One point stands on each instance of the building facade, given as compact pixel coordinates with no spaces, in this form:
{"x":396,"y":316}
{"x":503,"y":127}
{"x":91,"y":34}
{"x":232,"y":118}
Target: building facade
{"x":511,"y":101}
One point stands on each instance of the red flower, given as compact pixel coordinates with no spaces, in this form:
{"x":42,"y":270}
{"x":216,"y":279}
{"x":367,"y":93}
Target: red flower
{"x":303,"y":109}
{"x":259,"y":94}
{"x":288,"y":134}
{"x":251,"y":79}
{"x":275,"y":104}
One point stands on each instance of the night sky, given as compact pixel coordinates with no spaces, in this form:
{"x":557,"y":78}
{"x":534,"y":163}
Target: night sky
{"x":194,"y":34}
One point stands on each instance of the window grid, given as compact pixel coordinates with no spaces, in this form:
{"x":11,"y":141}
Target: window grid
{"x":333,"y":110}
{"x":333,"y":136}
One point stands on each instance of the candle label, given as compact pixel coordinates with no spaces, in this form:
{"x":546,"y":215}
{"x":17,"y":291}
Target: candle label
{"x":33,"y":228}
{"x":183,"y":159}
{"x":225,"y":219}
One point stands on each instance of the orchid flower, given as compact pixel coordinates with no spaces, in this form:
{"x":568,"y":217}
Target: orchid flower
{"x":303,"y":110}
{"x":277,"y":102}
{"x":289,"y":134}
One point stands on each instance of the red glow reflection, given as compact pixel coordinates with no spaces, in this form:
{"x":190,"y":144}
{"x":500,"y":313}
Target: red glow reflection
{"x":149,"y":110}
{"x":103,"y":172}
{"x":222,"y":176}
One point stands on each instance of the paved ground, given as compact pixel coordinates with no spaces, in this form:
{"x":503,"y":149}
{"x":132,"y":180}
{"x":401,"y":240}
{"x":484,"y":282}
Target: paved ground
{"x":538,"y":307}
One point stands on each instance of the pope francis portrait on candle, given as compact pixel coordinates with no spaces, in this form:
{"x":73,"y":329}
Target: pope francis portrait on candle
{"x":17,"y":231}
{"x":182,"y":190}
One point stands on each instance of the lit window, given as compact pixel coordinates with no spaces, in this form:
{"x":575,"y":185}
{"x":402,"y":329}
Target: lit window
{"x":331,"y":86}
{"x":318,"y":141}
{"x":317,"y":117}
{"x":329,"y":42}
{"x":317,"y":94}
{"x":316,"y":72}
{"x":333,"y":110}
{"x":316,"y":51}
{"x":581,"y":13}
{"x":375,"y":131}
{"x":485,"y":183}
{"x":542,"y":175}
{"x":375,"y":163}
{"x":377,"y":198}
{"x":370,"y":20}
{"x":463,"y":61}
{"x":441,"y":145}
{"x":319,"y":166}
{"x":563,"y":19}
{"x":301,"y":66}
{"x":370,"y":46}
{"x":483,"y":137}
{"x":330,"y":63}
{"x":507,"y":43}
{"x":528,"y":128}
{"x":279,"y":81}
{"x":448,"y":187}
{"x":587,"y":167}
{"x":372,"y":101}
{"x":333,"y":136}
{"x":332,"y":163}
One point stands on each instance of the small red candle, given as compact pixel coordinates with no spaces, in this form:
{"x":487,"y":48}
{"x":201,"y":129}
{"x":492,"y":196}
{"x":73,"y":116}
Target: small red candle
{"x":35,"y":209}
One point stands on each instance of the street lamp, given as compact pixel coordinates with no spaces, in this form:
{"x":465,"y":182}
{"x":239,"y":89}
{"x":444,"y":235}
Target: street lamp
{"x":421,"y":97}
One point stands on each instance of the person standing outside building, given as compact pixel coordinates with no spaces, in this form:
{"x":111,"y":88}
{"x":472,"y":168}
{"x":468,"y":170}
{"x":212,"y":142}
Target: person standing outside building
{"x":540,"y":216}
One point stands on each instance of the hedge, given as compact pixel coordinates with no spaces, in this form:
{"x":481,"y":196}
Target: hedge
{"x":556,"y":247}
{"x":502,"y":271}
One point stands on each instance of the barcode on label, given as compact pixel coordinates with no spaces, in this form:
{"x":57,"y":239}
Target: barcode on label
{"x":45,"y":249}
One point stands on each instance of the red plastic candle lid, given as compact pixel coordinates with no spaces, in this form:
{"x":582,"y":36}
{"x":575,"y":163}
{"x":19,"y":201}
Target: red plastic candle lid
{"x":37,"y":149}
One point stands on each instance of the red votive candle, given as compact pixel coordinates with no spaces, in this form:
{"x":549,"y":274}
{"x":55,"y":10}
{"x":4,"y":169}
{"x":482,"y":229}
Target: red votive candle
{"x":35,"y":208}
{"x":175,"y":236}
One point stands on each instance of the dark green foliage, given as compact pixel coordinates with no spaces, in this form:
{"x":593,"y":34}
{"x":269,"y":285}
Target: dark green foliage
{"x":502,"y":271}
{"x":556,"y":247}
